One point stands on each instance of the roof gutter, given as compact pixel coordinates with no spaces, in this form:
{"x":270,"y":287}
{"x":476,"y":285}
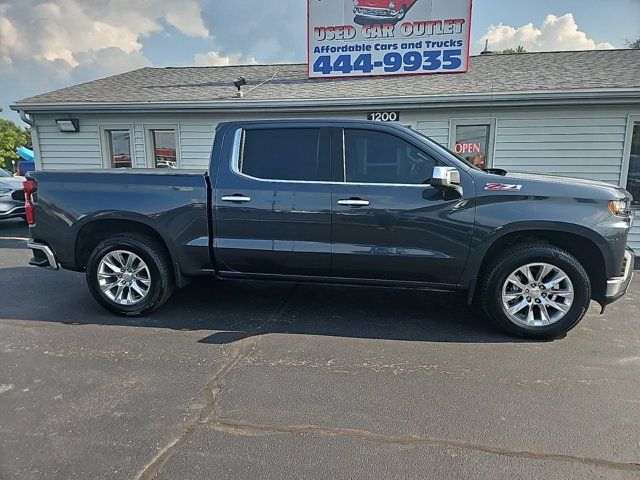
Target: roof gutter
{"x":524,"y":99}
{"x":25,"y":118}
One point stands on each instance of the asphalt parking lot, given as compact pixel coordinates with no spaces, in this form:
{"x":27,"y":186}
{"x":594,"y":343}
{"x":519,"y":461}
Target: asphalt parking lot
{"x":251,"y":380}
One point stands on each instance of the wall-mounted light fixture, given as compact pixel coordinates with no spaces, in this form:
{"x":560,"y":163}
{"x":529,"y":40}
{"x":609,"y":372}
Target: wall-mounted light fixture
{"x":68,"y":125}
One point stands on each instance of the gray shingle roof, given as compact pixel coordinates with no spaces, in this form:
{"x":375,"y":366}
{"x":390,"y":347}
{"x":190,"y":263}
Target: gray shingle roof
{"x":566,"y":71}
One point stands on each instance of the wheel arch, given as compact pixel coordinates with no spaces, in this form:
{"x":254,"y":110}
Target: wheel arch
{"x":94,"y":230}
{"x":588,"y":247}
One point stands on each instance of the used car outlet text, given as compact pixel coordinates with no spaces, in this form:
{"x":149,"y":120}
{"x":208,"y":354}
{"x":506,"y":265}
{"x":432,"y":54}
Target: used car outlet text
{"x":426,"y":28}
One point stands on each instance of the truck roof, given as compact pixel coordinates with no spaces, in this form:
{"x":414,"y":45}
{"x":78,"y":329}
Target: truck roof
{"x":312,"y":121}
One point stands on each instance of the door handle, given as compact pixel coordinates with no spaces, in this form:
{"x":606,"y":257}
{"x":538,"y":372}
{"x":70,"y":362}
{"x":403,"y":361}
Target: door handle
{"x":236,"y":198}
{"x":354,"y":202}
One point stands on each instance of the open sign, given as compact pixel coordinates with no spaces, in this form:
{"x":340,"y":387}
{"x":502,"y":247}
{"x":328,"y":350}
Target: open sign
{"x":467,"y":148}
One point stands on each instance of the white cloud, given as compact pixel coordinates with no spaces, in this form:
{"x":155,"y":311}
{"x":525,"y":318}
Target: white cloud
{"x":8,"y":35}
{"x":64,"y":29}
{"x":215,"y":59}
{"x":555,"y":33}
{"x":107,"y":61}
{"x":272,"y":32}
{"x":50,"y":44}
{"x":187,"y":18}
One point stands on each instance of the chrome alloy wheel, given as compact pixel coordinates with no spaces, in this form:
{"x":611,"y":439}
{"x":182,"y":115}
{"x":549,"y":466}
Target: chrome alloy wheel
{"x":537,"y":295}
{"x":123,"y":277}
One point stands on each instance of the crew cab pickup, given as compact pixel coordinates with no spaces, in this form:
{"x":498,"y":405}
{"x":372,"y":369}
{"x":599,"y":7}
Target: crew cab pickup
{"x":341,"y":202}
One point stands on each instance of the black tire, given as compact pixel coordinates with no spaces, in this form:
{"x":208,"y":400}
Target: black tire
{"x":495,"y":276}
{"x":155,"y":257}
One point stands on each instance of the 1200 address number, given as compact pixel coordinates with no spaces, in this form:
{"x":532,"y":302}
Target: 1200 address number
{"x":413,"y":61}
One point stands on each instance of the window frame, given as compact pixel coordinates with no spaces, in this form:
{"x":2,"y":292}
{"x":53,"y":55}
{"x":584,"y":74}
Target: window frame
{"x":337,"y":155}
{"x":149,"y":142}
{"x":491,"y":122}
{"x":105,"y":142}
{"x":238,"y":145}
{"x":626,"y":154}
{"x":343,"y":157}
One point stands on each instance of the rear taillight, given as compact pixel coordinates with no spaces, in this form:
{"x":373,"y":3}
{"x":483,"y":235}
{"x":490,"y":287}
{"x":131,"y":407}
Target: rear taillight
{"x":30,"y":187}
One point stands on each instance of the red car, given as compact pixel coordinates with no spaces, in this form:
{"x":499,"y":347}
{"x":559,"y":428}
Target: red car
{"x":382,"y":9}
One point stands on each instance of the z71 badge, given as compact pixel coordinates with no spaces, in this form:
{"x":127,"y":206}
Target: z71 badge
{"x":503,"y":187}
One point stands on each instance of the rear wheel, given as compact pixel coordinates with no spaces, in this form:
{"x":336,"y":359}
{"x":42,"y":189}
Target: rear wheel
{"x":130,"y":274}
{"x":536,"y":291}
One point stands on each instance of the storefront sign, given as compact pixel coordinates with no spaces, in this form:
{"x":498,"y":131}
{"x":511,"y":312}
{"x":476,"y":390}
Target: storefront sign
{"x":380,"y":37}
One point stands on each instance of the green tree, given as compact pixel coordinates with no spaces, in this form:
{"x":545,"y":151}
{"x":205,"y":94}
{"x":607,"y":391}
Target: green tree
{"x":11,"y":137}
{"x":518,"y":49}
{"x":635,"y":44}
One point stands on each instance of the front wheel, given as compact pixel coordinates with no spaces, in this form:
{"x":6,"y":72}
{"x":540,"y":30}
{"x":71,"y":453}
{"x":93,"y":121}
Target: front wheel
{"x":536,"y":291}
{"x":130,"y":274}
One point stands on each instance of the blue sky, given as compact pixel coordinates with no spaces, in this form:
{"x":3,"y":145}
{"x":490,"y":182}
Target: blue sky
{"x":50,"y":44}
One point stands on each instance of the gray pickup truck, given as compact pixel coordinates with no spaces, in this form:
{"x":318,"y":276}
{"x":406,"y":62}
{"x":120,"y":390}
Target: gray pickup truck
{"x":341,"y":202}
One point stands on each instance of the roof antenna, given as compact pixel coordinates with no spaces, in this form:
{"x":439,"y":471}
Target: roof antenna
{"x":486,"y":50}
{"x":241,"y":81}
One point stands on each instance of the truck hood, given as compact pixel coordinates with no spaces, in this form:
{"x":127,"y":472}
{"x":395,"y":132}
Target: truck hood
{"x":604,"y":187}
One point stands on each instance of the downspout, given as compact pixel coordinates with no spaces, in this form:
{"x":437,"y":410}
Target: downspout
{"x":35,"y":139}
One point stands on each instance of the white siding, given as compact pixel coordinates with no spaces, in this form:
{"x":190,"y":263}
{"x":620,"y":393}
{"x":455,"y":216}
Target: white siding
{"x":196,"y":140}
{"x":139,"y":151}
{"x":579,"y":144}
{"x":69,"y":150}
{"x":634,"y":237}
{"x":437,"y":129}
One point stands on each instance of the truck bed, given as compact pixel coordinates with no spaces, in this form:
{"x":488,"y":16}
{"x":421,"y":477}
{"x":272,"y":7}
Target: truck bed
{"x":172,"y":202}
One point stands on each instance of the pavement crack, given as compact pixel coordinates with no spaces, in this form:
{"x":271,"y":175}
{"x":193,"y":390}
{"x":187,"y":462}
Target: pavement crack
{"x":247,"y":428}
{"x":242,"y":349}
{"x":212,"y":390}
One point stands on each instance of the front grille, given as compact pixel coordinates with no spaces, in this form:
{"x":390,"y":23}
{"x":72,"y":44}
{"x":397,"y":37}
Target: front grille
{"x":18,"y":195}
{"x":373,"y":12}
{"x":623,"y":270}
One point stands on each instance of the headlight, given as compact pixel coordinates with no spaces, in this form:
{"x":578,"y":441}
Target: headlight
{"x":5,"y":188}
{"x":392,"y":5}
{"x":620,"y":207}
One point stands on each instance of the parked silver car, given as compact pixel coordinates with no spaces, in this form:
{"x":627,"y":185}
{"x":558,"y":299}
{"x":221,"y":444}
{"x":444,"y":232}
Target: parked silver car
{"x":11,"y":196}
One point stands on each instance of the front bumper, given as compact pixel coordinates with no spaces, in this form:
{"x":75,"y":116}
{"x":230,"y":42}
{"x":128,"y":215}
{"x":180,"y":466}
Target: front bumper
{"x":618,"y":286}
{"x":375,"y":13}
{"x":13,"y":212}
{"x":43,"y":256}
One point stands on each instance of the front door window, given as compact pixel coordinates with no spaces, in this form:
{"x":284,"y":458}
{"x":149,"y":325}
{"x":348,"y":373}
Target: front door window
{"x":378,"y":157}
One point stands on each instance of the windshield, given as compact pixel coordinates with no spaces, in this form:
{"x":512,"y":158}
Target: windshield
{"x":4,"y":173}
{"x":446,"y":150}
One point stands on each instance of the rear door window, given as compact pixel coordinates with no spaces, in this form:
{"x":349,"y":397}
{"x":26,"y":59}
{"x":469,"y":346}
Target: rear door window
{"x":293,"y":154}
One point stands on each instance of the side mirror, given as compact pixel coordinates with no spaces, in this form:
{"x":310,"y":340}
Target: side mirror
{"x":447,"y":179}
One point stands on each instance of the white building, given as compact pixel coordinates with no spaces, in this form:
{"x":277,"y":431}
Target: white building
{"x":565,"y":113}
